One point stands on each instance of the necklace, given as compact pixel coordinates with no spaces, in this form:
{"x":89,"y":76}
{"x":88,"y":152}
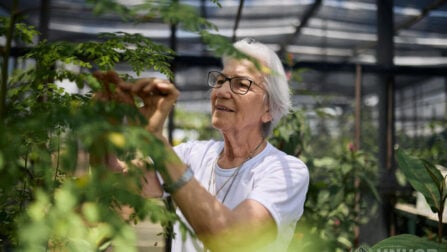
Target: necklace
{"x":233,"y":176}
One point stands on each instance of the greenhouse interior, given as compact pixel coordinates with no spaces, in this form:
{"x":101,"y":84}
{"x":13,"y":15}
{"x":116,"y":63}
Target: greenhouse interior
{"x":368,"y":87}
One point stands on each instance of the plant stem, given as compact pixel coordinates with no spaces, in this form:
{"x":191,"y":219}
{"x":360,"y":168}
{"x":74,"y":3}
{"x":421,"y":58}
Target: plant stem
{"x":5,"y":65}
{"x":22,"y":196}
{"x":58,"y":157}
{"x":440,"y":224}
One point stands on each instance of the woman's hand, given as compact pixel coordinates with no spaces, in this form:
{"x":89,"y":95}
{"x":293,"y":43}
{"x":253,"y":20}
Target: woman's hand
{"x":113,"y":88}
{"x":158,"y":97}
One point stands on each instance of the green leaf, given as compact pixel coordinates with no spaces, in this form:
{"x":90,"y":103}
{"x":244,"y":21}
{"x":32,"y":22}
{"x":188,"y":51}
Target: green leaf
{"x":102,"y":7}
{"x":1,"y":161}
{"x":217,"y":3}
{"x":25,"y":32}
{"x":90,"y":211}
{"x":408,"y":242}
{"x":419,"y":177}
{"x":437,"y":177}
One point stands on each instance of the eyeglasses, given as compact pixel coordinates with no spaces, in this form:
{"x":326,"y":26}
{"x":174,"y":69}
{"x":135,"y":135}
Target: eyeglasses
{"x":238,"y":85}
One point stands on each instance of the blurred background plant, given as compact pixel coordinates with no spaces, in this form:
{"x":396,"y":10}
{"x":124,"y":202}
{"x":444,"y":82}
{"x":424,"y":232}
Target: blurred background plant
{"x":342,"y":183}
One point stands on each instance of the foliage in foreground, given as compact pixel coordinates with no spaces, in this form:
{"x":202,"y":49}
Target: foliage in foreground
{"x":425,"y":178}
{"x":51,"y":196}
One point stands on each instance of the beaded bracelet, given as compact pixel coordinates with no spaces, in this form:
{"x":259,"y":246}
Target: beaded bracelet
{"x":185,"y":178}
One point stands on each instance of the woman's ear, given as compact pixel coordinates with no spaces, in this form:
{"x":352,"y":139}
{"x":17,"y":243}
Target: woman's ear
{"x":267,"y":116}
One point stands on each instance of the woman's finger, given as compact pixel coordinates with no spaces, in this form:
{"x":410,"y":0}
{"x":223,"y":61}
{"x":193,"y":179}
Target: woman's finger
{"x":126,"y":87}
{"x":109,"y":82}
{"x":124,"y":96}
{"x":159,"y":87}
{"x":142,"y":84}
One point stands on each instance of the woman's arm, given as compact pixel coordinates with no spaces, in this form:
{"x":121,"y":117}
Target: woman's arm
{"x":220,"y":228}
{"x":249,"y":225}
{"x":113,"y":88}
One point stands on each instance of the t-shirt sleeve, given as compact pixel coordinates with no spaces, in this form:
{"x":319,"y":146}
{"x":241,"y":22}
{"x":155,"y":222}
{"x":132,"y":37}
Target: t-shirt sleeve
{"x":191,"y":153}
{"x":282,"y":190}
{"x":182,"y":149}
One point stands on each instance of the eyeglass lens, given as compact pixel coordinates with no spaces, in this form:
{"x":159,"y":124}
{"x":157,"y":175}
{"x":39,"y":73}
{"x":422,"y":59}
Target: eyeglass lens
{"x":239,"y":85}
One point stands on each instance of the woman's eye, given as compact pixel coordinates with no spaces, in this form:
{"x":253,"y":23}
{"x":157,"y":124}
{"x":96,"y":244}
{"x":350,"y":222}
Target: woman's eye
{"x":244,"y":83}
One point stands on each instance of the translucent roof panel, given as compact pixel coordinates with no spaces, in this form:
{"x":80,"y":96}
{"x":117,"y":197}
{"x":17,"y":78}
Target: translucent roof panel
{"x":329,"y":30}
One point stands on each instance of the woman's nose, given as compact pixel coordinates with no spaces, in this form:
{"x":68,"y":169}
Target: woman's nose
{"x":224,"y":89}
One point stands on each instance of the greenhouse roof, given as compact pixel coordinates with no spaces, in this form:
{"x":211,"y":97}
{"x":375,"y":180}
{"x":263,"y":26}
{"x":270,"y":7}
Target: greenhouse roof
{"x":329,"y":35}
{"x":330,"y":30}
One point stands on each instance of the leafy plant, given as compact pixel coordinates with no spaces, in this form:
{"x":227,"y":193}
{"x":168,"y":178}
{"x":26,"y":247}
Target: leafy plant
{"x":51,"y":196}
{"x":337,"y":201}
{"x":341,"y":181}
{"x":291,"y":134}
{"x":425,"y":178}
{"x":431,"y":147}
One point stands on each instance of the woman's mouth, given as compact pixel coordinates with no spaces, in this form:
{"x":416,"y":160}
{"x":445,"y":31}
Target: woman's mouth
{"x":223,"y":108}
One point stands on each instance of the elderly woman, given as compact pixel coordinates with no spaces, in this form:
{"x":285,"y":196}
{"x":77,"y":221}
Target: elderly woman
{"x":239,"y":194}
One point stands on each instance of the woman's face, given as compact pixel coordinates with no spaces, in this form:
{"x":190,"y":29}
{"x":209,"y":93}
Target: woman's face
{"x":237,"y":113}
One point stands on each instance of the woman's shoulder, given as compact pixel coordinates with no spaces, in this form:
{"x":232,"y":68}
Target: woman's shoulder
{"x":197,"y":150}
{"x":198,"y":146}
{"x":278,"y":161}
{"x":277,"y":155}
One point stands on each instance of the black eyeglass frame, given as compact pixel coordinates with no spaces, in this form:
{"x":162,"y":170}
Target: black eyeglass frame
{"x":229,"y":79}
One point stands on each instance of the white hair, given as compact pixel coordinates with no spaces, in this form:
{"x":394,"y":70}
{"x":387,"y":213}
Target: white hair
{"x":275,"y":80}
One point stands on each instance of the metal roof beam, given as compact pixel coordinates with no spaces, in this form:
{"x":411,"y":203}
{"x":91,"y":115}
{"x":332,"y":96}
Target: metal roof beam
{"x":412,"y":21}
{"x":207,"y":61}
{"x":304,"y":20}
{"x":44,"y":19}
{"x":407,"y":24}
{"x":238,"y":19}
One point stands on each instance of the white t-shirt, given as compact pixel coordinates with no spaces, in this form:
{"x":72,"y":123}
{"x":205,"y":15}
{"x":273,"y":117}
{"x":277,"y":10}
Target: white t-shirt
{"x":277,"y":180}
